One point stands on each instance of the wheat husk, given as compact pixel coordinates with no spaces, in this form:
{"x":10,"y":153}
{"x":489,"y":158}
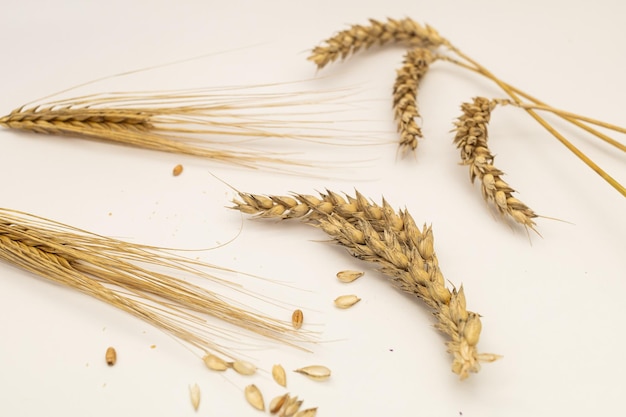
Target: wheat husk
{"x":392,"y":241}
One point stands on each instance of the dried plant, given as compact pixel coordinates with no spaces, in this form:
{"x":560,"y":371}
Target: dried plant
{"x":140,"y":280}
{"x":471,"y":139}
{"x":179,"y":121}
{"x":394,"y":243}
{"x":416,"y":63}
{"x":410,"y":33}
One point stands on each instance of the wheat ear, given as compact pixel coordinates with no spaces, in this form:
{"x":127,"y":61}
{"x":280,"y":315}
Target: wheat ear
{"x":399,"y":249}
{"x":415,"y":65}
{"x":133,"y":278}
{"x":208,"y":123}
{"x":471,"y":139}
{"x":357,"y":37}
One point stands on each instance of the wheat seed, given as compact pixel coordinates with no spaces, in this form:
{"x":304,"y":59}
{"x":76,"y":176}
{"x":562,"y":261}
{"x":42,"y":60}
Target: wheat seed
{"x":194,"y":393}
{"x":392,"y":241}
{"x":415,"y":65}
{"x":110,"y":356}
{"x":279,"y":375}
{"x":346,"y":301}
{"x":297,"y":317}
{"x":471,"y":139}
{"x":178,"y":169}
{"x":291,"y":407}
{"x":214,"y":362}
{"x":315,"y":372}
{"x":243,"y":367}
{"x":349,"y":276}
{"x":277,"y":403}
{"x":346,"y":42}
{"x":254,"y":397}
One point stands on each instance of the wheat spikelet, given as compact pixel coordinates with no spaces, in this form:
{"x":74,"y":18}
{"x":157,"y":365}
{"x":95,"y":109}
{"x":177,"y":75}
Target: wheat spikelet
{"x":405,"y":31}
{"x":415,"y":66}
{"x":471,"y":139}
{"x":208,"y":123}
{"x":392,"y":241}
{"x":128,"y":276}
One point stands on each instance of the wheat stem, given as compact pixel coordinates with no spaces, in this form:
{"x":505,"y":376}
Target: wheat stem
{"x":392,"y":241}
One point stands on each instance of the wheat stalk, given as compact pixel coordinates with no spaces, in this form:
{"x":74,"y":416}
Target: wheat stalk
{"x":357,"y":37}
{"x":128,"y":276}
{"x":392,"y":241}
{"x":471,"y":139}
{"x":411,"y":33}
{"x":209,"y":123}
{"x":415,"y":65}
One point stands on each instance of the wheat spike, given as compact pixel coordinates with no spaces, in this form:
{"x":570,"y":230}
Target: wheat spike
{"x":109,"y":270}
{"x":471,"y":139}
{"x":392,"y":241}
{"x":405,"y":31}
{"x":415,"y":65}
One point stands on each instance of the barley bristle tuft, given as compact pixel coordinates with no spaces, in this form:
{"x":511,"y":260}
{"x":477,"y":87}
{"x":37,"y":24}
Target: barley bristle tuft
{"x":393,"y":242}
{"x":471,"y":139}
{"x":415,"y":66}
{"x":128,"y":277}
{"x":405,"y":31}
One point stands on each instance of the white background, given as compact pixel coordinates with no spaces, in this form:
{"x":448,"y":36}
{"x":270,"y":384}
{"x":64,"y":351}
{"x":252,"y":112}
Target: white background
{"x":553,"y":306}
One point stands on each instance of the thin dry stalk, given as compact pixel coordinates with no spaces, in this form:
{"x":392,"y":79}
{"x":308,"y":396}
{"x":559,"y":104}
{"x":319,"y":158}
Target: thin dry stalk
{"x":127,"y":276}
{"x":394,"y":243}
{"x":180,"y":122}
{"x":415,"y":65}
{"x":404,"y":31}
{"x":471,"y":139}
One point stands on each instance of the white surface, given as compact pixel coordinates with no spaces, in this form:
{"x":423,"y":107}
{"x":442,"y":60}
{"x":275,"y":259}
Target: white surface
{"x":554,"y":308}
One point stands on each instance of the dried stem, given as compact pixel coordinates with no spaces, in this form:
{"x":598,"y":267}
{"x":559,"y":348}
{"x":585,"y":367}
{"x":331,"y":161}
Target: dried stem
{"x":471,"y":139}
{"x":110,"y":271}
{"x":415,"y":66}
{"x":394,"y":243}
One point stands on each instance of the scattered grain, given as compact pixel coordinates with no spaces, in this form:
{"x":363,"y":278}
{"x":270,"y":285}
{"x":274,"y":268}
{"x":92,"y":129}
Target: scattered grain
{"x":215,"y":363}
{"x":178,"y":169}
{"x":254,"y":397}
{"x":316,"y":372}
{"x":110,"y":356}
{"x":297,"y":318}
{"x":346,"y":301}
{"x":279,"y":375}
{"x":349,"y":276}
{"x":194,"y":392}
{"x":244,"y":367}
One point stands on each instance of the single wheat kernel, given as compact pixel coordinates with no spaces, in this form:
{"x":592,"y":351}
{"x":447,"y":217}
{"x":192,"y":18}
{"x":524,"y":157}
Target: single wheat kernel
{"x":316,"y":372}
{"x":243,"y":367}
{"x":349,"y":276}
{"x":279,"y":375}
{"x":254,"y":397}
{"x":194,"y":392}
{"x":291,"y":407}
{"x":346,"y":301}
{"x":296,"y":319}
{"x":178,"y":169}
{"x":214,"y":363}
{"x":110,"y":356}
{"x":277,"y":403}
